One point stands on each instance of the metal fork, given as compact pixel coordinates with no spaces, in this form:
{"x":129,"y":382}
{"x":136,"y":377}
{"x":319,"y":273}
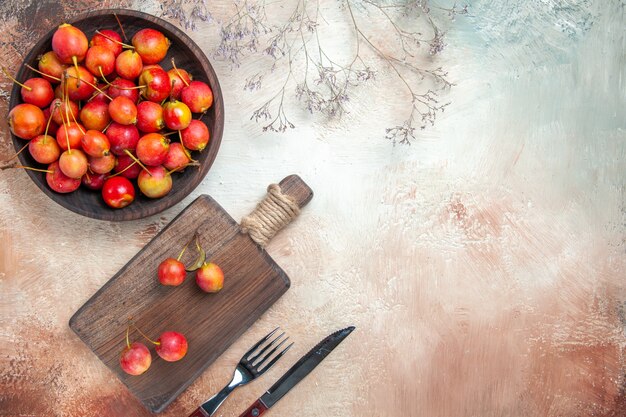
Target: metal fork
{"x":250,"y":367}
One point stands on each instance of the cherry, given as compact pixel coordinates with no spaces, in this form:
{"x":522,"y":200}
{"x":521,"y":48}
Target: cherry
{"x":152,"y":149}
{"x":123,"y":87}
{"x":195,"y":136}
{"x":154,"y":183}
{"x":122,"y":137}
{"x":210,"y":278}
{"x":26,"y":121}
{"x":93,"y":181}
{"x":123,"y":111}
{"x":198,"y":96}
{"x":95,"y":115}
{"x":118,"y":192}
{"x":70,"y":135}
{"x":171,"y":346}
{"x":100,"y":95}
{"x":69,"y":44}
{"x":172,"y":272}
{"x":155,"y":84}
{"x":60,"y":182}
{"x":149,"y":117}
{"x":51,"y":67}
{"x":127,"y":167}
{"x":103,"y":164}
{"x":63,"y":111}
{"x":100,"y":60}
{"x":135,"y":358}
{"x":151,"y":45}
{"x":176,"y":115}
{"x":179,"y":78}
{"x":95,"y":143}
{"x":177,"y":157}
{"x":44,"y":149}
{"x":73,"y":163}
{"x":109,"y":39}
{"x":80,"y":83}
{"x":128,"y":65}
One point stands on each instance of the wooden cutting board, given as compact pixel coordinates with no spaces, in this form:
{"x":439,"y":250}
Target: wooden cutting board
{"x":211,"y":322}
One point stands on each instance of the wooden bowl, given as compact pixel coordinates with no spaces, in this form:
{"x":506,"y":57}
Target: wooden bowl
{"x":188,"y":56}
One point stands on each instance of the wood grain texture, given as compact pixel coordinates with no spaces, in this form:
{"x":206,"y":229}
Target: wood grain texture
{"x":210,"y":322}
{"x":188,"y":56}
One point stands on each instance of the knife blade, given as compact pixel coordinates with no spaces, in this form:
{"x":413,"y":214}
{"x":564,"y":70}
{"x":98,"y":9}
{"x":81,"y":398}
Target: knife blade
{"x":301,"y":369}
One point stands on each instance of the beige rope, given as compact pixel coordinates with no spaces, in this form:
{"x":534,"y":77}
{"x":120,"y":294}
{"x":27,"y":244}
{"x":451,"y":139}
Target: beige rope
{"x":272,"y":214}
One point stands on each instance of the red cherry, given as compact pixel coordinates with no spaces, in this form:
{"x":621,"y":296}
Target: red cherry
{"x":69,"y":44}
{"x":26,"y":121}
{"x":152,"y":149}
{"x":108,"y":38}
{"x":210,"y":278}
{"x":93,"y":181}
{"x":195,"y":136}
{"x":198,"y":96}
{"x":171,"y":346}
{"x":135,"y":359}
{"x":151,"y":45}
{"x":38,"y":92}
{"x":118,"y":192}
{"x":171,"y":272}
{"x":60,"y":182}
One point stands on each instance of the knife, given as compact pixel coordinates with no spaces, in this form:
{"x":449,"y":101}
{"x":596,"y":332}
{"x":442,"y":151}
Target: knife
{"x":297,"y":373}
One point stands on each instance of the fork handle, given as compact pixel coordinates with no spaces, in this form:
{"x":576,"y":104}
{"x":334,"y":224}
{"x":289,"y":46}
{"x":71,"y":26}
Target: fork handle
{"x":255,"y":409}
{"x":212,"y":404}
{"x":199,"y":413}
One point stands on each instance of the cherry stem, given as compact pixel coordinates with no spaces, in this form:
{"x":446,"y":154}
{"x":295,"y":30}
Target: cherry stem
{"x":6,"y":72}
{"x":106,"y":127}
{"x":134,"y":158}
{"x":185,"y":248}
{"x":169,"y":133}
{"x":121,"y":27}
{"x":127,"y":331}
{"x":144,"y":335}
{"x":118,"y":173}
{"x":113,"y":40}
{"x":180,"y":136}
{"x":34,"y":169}
{"x":77,"y":124}
{"x":42,"y":73}
{"x":179,"y":74}
{"x":45,"y":135}
{"x":67,"y":105}
{"x":18,"y":152}
{"x":75,"y":61}
{"x":104,"y":78}
{"x":90,"y":84}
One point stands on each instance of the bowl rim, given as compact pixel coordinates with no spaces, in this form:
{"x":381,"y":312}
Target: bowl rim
{"x":216,"y":135}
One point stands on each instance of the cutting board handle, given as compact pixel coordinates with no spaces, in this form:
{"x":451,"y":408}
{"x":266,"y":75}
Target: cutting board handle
{"x":281,"y":205}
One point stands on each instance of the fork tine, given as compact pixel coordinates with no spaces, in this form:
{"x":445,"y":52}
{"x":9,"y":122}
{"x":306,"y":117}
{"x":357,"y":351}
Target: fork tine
{"x":266,"y":357}
{"x":259,"y":343}
{"x":276,"y":358}
{"x":262,"y":351}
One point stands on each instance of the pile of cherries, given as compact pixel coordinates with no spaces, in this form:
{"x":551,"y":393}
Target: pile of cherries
{"x":114,"y":114}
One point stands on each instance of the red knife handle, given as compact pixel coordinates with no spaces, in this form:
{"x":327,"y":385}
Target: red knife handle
{"x":199,"y":413}
{"x":255,"y":409}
